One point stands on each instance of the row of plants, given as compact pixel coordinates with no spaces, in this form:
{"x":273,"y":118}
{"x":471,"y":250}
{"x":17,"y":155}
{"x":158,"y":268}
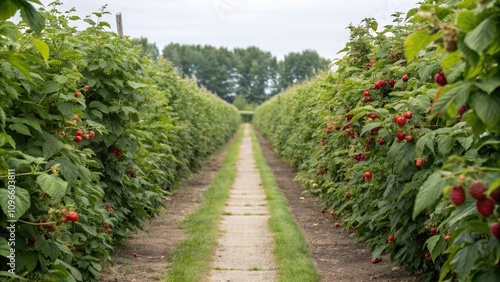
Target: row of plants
{"x":401,"y":142}
{"x":93,"y":136}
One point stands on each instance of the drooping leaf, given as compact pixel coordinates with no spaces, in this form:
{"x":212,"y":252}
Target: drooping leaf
{"x":436,"y":245}
{"x":42,"y":48}
{"x":465,"y":259}
{"x":487,"y":108}
{"x":51,"y":147}
{"x":21,"y":202}
{"x":482,"y":35}
{"x":53,"y":185}
{"x":429,"y":193}
{"x":416,"y":42}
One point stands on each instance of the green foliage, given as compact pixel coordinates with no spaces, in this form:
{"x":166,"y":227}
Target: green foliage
{"x":334,"y":132}
{"x":141,"y":127}
{"x":247,"y":72}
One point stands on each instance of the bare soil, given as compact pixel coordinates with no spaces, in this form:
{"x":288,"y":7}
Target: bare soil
{"x":338,"y":257}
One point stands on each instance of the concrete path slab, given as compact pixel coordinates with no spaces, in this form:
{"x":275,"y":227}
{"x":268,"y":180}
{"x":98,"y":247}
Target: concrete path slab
{"x":244,"y":251}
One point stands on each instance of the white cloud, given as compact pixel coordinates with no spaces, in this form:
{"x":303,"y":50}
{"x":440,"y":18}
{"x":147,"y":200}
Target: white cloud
{"x":279,"y":26}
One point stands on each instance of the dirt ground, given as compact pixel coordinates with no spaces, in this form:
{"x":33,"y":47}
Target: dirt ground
{"x":337,"y":256}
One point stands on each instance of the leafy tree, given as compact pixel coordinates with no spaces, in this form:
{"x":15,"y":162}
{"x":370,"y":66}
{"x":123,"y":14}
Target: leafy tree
{"x":147,"y":48}
{"x":297,"y":67}
{"x":256,"y":71}
{"x":251,"y":72}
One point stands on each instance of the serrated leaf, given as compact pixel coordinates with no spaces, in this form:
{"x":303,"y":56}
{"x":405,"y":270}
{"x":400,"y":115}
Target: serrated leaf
{"x":429,"y":192}
{"x":445,"y":144}
{"x":478,"y":225}
{"x":492,"y":275}
{"x":74,"y":271}
{"x":6,"y":139}
{"x":19,"y":62}
{"x":427,"y":140}
{"x":3,"y":118}
{"x":31,"y":16}
{"x":100,"y":106}
{"x":21,"y":202}
{"x":466,"y":20}
{"x":489,"y":85}
{"x":31,"y":121}
{"x":448,"y":94}
{"x":26,"y":261}
{"x":136,"y":85}
{"x":416,"y":42}
{"x":53,"y":185}
{"x":487,"y":108}
{"x":378,"y":251}
{"x":42,"y":48}
{"x":465,"y":259}
{"x":68,"y":169}
{"x":4,"y":247}
{"x":20,"y":128}
{"x":50,"y":250}
{"x":436,"y":245}
{"x":369,"y":127}
{"x":482,"y":35}
{"x":51,"y":147}
{"x":61,"y":79}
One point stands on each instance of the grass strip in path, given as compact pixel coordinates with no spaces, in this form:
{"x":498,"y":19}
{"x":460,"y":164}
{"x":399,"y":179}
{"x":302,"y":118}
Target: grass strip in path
{"x":291,"y":252}
{"x":191,"y":258}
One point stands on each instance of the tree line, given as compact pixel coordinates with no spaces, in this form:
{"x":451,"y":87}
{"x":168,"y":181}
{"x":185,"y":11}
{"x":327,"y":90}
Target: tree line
{"x":251,"y":74}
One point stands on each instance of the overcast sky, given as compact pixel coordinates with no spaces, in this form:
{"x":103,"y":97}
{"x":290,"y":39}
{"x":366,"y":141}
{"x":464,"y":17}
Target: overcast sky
{"x":278,"y":26}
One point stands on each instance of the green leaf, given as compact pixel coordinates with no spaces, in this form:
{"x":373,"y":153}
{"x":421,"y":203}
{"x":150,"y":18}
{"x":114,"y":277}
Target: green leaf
{"x":465,"y":259}
{"x":74,"y":271}
{"x":20,"y":128}
{"x":31,"y":16}
{"x":436,"y":246}
{"x":487,"y":108}
{"x":378,"y":251}
{"x":42,"y":48}
{"x":427,"y":140}
{"x":19,"y":62}
{"x":100,"y":106}
{"x":26,"y":261}
{"x":21,"y":202}
{"x":53,"y":185}
{"x":6,"y":138}
{"x":51,"y":147}
{"x":490,"y":275}
{"x":416,"y":42}
{"x":483,"y":35}
{"x":429,"y":193}
{"x":449,"y":93}
{"x":4,"y":247}
{"x":3,"y":118}
{"x":31,"y":121}
{"x":478,"y":225}
{"x":489,"y":85}
{"x":369,"y":127}
{"x":466,"y":20}
{"x":494,"y":185}
{"x":50,"y":250}
{"x":68,"y":169}
{"x":61,"y":79}
{"x":445,"y":144}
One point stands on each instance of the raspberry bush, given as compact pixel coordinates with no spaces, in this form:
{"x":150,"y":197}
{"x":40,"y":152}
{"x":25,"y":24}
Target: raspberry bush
{"x":415,"y":105}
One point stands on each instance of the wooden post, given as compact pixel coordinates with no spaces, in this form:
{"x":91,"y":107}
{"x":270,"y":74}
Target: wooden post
{"x":119,"y":24}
